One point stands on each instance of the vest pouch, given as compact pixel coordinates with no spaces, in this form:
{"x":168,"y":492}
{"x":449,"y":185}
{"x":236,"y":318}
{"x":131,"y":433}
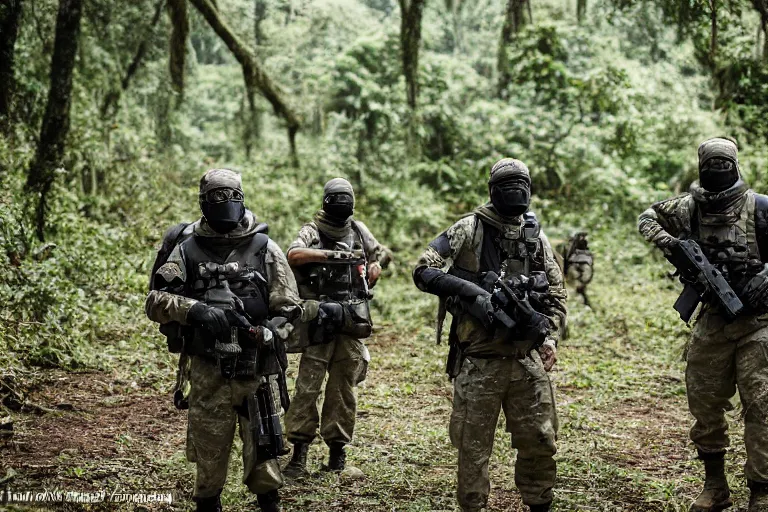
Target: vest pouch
{"x":357,"y":319}
{"x":237,"y":368}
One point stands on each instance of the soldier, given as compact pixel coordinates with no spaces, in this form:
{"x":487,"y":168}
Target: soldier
{"x":498,"y":367}
{"x":336,"y":261}
{"x":219,"y":287}
{"x":730,"y":223}
{"x":578,"y":263}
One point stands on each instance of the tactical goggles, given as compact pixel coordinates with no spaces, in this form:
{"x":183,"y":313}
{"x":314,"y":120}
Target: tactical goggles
{"x":339,"y":198}
{"x":222,"y":195}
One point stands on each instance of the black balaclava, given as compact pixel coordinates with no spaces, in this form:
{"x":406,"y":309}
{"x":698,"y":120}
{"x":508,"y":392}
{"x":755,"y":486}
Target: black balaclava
{"x":221,"y":199}
{"x":338,"y":200}
{"x":718,"y":164}
{"x":510,"y":187}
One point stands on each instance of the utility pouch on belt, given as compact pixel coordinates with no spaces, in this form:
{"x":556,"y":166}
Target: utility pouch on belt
{"x":357,"y":319}
{"x":265,"y":429}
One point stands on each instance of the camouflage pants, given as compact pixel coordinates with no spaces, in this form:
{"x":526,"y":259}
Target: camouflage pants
{"x":721,"y":358}
{"x":523,"y":390}
{"x":345,"y":362}
{"x":211,"y":431}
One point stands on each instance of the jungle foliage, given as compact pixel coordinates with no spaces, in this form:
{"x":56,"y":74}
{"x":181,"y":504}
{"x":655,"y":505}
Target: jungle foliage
{"x":606,"y":103}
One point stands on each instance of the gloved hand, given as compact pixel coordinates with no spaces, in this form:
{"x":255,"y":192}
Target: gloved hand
{"x":755,"y":292}
{"x":209,"y":318}
{"x":482,"y":309}
{"x":331,"y":314}
{"x":548,"y":353}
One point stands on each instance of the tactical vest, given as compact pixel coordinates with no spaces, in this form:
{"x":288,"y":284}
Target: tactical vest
{"x":338,"y":282}
{"x":729,"y":241}
{"x":518,"y":251}
{"x":512,"y":253}
{"x":219,"y":282}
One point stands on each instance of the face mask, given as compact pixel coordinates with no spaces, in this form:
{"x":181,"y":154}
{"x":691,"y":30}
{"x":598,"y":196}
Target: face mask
{"x":717,"y":181}
{"x":511,"y":199}
{"x":339,"y":206}
{"x":223,"y":217}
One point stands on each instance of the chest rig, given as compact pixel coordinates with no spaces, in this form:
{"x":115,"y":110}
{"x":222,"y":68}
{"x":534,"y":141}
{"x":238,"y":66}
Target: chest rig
{"x":222,"y":282}
{"x":339,"y":282}
{"x":729,"y":240}
{"x":515,"y":251}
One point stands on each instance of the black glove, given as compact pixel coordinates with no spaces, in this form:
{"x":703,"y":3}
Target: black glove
{"x":212,"y":319}
{"x":331,"y":314}
{"x":482,"y":309}
{"x":330,"y":318}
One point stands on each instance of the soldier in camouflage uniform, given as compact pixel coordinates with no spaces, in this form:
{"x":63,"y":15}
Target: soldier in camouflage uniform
{"x":336,"y":260}
{"x":730,"y":223}
{"x":578,"y":263}
{"x":226,"y":270}
{"x":492,"y":372}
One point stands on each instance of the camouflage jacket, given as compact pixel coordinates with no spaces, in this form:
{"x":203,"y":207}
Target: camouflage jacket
{"x":309,"y":237}
{"x":667,"y":220}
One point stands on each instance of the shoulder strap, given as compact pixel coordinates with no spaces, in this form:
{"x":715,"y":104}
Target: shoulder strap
{"x":751,"y":234}
{"x":359,"y":233}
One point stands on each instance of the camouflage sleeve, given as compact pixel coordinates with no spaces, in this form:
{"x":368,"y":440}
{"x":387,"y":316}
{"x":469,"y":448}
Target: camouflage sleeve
{"x":443,"y":249}
{"x":374,"y":251}
{"x":666,"y":221}
{"x":283,"y":292}
{"x":308,"y":236}
{"x":557,"y":290}
{"x":168,"y":304}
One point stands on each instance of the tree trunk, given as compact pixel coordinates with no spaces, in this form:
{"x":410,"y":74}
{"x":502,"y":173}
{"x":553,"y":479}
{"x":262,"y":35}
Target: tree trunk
{"x":581,"y":10}
{"x":180,"y":22}
{"x":259,"y":15}
{"x":112,"y":100}
{"x":455,"y":6}
{"x":255,"y":77}
{"x":514,"y":19}
{"x":410,"y":37}
{"x":762,"y":8}
{"x":713,"y":36}
{"x":10,"y":18}
{"x":53,"y":134}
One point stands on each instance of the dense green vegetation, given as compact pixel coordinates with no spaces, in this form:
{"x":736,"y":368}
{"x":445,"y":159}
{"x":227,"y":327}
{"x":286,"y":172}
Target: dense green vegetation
{"x":606,"y":110}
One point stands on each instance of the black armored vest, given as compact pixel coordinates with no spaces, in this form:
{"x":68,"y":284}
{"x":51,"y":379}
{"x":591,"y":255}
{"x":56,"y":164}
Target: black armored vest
{"x":221,"y":281}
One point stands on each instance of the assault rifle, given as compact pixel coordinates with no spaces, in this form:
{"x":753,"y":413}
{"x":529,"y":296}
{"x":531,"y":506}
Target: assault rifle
{"x":265,"y":428}
{"x":703,"y":282}
{"x":514,"y":297}
{"x":507,"y":304}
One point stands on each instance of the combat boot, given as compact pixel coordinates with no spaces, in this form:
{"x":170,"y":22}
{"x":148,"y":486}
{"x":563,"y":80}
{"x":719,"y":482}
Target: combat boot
{"x":716,"y":495}
{"x":298,"y":464}
{"x":212,"y":504}
{"x":758,"y":496}
{"x":337,"y":460}
{"x":269,"y":501}
{"x":544,"y":507}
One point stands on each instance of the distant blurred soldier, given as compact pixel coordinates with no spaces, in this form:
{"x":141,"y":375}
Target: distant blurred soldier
{"x":730,"y":224}
{"x":495,"y":271}
{"x":223,"y":289}
{"x":336,"y":261}
{"x":578,"y":263}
